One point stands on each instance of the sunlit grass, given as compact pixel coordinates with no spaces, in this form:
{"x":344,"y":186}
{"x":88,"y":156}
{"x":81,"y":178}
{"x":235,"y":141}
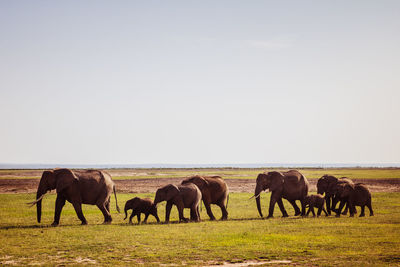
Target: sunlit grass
{"x":326,"y":241}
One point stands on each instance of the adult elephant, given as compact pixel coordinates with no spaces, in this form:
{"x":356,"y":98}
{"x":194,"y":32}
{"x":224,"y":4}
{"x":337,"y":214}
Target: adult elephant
{"x":78,"y":187}
{"x":354,"y":195}
{"x":214,"y":190}
{"x":326,"y":185}
{"x":290,"y":185}
{"x":183,"y":196}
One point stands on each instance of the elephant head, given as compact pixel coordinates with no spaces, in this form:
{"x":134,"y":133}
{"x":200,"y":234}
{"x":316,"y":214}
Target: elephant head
{"x":197,"y":180}
{"x":324,"y":184}
{"x":58,"y":179}
{"x":272,"y":180}
{"x":307,"y":200}
{"x":343,"y":190}
{"x":131,"y":204}
{"x":166,"y":193}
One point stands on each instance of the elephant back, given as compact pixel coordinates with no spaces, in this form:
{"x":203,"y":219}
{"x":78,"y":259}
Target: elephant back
{"x":362,"y":193}
{"x":345,"y":180}
{"x":216,"y":183}
{"x":295,"y":185}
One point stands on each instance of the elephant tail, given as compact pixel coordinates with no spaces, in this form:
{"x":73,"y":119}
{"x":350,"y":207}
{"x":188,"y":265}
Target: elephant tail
{"x":116,"y":201}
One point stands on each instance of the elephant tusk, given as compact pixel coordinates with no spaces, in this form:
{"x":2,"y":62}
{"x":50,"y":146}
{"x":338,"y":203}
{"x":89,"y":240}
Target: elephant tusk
{"x":36,"y":201}
{"x":256,"y":196}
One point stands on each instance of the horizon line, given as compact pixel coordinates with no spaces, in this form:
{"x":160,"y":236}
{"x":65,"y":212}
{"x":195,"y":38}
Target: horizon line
{"x":195,"y":165}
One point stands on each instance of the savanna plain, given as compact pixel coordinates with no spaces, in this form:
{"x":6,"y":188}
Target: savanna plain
{"x":242,"y":240}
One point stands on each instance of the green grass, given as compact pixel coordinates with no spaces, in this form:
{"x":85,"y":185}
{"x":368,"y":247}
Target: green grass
{"x":306,"y":241}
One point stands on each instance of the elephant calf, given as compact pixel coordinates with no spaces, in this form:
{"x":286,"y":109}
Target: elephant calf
{"x":138,"y":206}
{"x":183,"y":196}
{"x":317,"y":201}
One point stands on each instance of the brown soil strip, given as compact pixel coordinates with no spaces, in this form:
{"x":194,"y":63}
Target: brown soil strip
{"x":151,"y":185}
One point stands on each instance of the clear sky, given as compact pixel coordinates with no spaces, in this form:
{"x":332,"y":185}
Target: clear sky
{"x":109,"y":82}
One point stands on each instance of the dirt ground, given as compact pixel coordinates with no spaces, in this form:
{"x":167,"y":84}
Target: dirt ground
{"x":151,"y":185}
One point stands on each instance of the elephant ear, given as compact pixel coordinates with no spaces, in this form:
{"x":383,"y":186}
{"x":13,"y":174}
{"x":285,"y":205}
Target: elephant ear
{"x":347,"y":189}
{"x":276,"y":181}
{"x":199,"y":181}
{"x":135,"y":203}
{"x":49,"y":180}
{"x":64,"y":179}
{"x":171,"y":191}
{"x":337,"y":189}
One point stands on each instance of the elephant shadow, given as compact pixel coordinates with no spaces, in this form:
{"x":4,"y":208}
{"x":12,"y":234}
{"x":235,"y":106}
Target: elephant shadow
{"x":37,"y":226}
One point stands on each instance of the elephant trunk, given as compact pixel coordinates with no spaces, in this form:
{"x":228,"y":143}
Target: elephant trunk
{"x":320,"y":191}
{"x":39,"y":195}
{"x":157,"y":199}
{"x":257,"y":194}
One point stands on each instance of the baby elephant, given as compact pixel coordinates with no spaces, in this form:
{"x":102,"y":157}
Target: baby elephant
{"x":182,"y":196}
{"x":317,"y":201}
{"x":138,"y":206}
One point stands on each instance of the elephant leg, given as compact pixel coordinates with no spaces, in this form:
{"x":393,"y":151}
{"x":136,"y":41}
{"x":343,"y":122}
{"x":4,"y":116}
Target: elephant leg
{"x":106,"y":214}
{"x":369,"y":205}
{"x":60,"y":202}
{"x":145,"y":217}
{"x":296,"y":208}
{"x":198,"y":212}
{"x":362,"y":211}
{"x":180,"y":208}
{"x":168,"y":208}
{"x":351,"y":207}
{"x":273,"y":200}
{"x":282,"y":208}
{"x":108,"y":205}
{"x":224,"y":212}
{"x":346,"y":208}
{"x":319,"y":211}
{"x":303,"y":207}
{"x":156,"y":216}
{"x":208,"y":209}
{"x":328,"y":204}
{"x":339,"y":211}
{"x":78,"y":210}
{"x":132,"y":215}
{"x":138,"y":217}
{"x":312,"y":210}
{"x":309,"y":210}
{"x":193,"y":214}
{"x":335,"y":200}
{"x":326,"y":213}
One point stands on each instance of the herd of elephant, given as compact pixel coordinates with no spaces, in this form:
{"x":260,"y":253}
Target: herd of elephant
{"x":95,"y":187}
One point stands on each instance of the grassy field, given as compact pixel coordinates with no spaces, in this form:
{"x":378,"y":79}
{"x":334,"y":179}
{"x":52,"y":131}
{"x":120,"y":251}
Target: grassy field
{"x":323,"y":241}
{"x":226,"y":173}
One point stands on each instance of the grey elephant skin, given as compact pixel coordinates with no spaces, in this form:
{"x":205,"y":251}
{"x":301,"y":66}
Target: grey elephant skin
{"x":182,"y":196}
{"x":78,"y":187}
{"x":354,"y":195}
{"x":138,"y":206}
{"x":326,"y":185}
{"x":315,"y":201}
{"x":290,"y":185}
{"x":214,"y":190}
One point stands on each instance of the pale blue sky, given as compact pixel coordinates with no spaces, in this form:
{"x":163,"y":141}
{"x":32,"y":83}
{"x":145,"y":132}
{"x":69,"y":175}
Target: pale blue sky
{"x":106,"y":82}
